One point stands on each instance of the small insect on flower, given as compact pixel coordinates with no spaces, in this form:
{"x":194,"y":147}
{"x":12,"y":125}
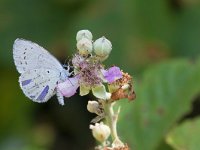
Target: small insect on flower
{"x":41,"y":72}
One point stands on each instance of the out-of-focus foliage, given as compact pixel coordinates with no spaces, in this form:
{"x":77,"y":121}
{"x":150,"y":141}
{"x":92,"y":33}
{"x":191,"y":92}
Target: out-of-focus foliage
{"x":163,"y":97}
{"x":185,"y":136}
{"x":143,"y":34}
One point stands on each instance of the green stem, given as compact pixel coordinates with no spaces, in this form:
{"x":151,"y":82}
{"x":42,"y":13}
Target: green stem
{"x":111,"y":119}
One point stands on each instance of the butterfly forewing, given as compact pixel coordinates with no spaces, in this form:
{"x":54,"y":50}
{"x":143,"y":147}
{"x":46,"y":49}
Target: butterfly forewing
{"x":39,"y":84}
{"x":28,"y":55}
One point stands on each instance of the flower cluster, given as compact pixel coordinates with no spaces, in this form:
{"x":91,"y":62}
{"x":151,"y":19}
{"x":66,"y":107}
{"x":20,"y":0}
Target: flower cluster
{"x":89,"y":74}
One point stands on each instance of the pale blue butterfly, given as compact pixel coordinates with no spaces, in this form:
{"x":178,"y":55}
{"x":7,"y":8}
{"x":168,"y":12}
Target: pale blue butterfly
{"x":40,"y":71}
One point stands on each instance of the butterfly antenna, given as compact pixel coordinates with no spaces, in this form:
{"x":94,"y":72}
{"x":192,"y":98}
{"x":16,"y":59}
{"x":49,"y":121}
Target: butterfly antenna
{"x":66,"y":62}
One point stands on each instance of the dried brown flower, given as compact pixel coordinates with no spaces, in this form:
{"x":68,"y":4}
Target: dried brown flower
{"x":125,"y":89}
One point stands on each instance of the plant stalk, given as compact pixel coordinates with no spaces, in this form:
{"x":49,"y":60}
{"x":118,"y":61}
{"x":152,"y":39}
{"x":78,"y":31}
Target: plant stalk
{"x":111,"y":119}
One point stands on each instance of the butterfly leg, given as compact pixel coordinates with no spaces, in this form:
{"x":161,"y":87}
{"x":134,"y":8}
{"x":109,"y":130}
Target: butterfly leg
{"x":68,"y":69}
{"x":60,"y":97}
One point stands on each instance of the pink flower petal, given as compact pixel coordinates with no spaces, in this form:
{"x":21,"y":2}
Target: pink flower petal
{"x":112,"y":74}
{"x":69,"y":87}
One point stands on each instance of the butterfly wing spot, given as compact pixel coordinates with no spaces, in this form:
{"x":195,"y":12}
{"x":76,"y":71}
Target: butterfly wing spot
{"x":43,"y":93}
{"x":26,"y":82}
{"x":32,"y":97}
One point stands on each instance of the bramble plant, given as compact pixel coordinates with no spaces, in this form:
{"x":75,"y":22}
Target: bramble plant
{"x":42,"y":76}
{"x":90,"y":74}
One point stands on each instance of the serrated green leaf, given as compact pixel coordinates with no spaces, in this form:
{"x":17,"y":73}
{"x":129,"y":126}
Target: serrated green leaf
{"x":186,"y":136}
{"x":163,"y":97}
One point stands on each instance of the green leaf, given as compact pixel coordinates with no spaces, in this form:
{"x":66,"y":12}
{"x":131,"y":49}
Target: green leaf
{"x":186,"y":136}
{"x":84,"y":90}
{"x":164,"y":146}
{"x":163,"y":97}
{"x":100,"y":92}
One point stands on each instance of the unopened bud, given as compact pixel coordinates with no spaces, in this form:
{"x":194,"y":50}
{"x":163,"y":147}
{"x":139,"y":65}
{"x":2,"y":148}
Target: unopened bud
{"x":100,"y":131}
{"x":102,"y":58}
{"x":102,"y":47}
{"x":93,"y":106}
{"x":83,"y":34}
{"x":84,"y":46}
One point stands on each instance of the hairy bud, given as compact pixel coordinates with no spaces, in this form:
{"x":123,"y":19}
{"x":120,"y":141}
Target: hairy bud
{"x":102,"y":47}
{"x":84,"y":46}
{"x":100,"y":131}
{"x":83,"y":34}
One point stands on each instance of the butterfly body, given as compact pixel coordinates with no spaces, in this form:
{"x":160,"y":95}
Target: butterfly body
{"x":40,"y":71}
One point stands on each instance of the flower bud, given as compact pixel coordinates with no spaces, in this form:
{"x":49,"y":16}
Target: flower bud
{"x":93,"y":106}
{"x":102,"y":58}
{"x":102,"y":47}
{"x":84,"y":46}
{"x":83,"y":34}
{"x":100,"y":131}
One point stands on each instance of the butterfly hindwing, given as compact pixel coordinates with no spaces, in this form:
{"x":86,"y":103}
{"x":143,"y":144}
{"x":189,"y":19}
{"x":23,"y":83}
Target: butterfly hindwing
{"x":40,"y":71}
{"x":28,"y":55}
{"x":39,"y":84}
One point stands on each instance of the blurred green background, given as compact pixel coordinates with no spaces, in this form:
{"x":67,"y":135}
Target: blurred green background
{"x":157,"y":42}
